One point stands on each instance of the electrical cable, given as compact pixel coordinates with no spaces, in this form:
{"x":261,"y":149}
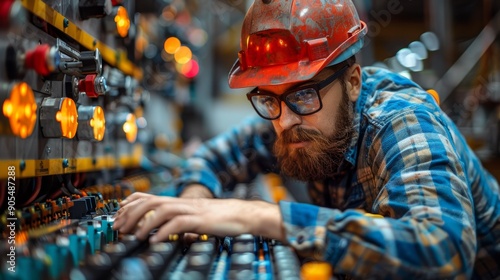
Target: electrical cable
{"x":65,"y":191}
{"x":67,"y":186}
{"x":76,"y":181}
{"x":54,"y":194}
{"x":79,"y":180}
{"x":38,"y":186}
{"x":70,"y":187}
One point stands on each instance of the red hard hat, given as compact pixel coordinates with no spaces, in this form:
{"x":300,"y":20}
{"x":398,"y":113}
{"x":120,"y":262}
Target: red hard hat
{"x":286,"y":41}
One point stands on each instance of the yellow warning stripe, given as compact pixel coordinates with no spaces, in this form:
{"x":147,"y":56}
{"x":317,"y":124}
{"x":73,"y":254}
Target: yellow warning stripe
{"x":42,"y":167}
{"x":115,"y":58}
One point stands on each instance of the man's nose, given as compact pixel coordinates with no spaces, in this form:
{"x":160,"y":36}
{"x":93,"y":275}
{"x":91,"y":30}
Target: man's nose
{"x":288,"y":118}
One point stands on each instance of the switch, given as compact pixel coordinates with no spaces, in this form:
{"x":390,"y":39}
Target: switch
{"x":43,"y":59}
{"x":93,"y":86}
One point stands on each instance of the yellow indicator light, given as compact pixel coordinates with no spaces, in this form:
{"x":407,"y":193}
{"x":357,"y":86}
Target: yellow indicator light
{"x":67,"y":116}
{"x":316,"y":271}
{"x":183,"y":55}
{"x":203,"y":237}
{"x":171,"y":45}
{"x":173,"y":237}
{"x":98,"y":123}
{"x":122,"y":21}
{"x":130,"y":128}
{"x":20,"y":109}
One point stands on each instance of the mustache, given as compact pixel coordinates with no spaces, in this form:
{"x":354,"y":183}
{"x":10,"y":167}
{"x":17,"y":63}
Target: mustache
{"x":298,"y":134}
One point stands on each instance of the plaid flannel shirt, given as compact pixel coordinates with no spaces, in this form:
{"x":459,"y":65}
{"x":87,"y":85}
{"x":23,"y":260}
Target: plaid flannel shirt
{"x":407,"y":162}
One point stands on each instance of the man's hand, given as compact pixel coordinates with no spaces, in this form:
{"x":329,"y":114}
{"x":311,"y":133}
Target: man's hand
{"x":194,"y":191}
{"x":140,"y":213}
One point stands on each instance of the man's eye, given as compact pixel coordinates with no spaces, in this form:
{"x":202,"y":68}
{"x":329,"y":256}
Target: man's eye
{"x":301,"y":96}
{"x":266,"y":100}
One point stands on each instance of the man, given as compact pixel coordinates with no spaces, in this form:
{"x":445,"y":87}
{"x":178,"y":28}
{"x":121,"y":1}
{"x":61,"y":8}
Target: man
{"x":367,"y":141}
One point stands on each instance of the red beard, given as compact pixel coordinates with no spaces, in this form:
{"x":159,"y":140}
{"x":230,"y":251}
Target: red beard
{"x":322,"y":156}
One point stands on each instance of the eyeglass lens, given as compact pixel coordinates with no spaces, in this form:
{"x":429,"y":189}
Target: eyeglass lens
{"x":302,"y":102}
{"x":267,"y":106}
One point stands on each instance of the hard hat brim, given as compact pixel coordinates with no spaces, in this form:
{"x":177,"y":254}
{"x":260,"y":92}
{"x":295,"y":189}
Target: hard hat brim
{"x":272,"y":75}
{"x":296,"y":71}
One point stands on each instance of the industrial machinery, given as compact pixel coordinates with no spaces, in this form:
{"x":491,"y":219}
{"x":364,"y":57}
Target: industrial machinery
{"x":72,"y":114}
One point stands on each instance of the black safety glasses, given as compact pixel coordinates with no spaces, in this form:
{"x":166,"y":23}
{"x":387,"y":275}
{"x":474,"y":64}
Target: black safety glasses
{"x":303,"y":100}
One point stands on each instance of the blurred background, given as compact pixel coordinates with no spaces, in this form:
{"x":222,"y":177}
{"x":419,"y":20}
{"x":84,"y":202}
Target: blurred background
{"x":449,"y":46}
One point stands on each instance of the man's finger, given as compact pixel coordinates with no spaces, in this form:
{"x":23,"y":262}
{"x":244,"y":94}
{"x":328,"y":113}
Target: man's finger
{"x":178,"y":225}
{"x":162,"y":215}
{"x":127,"y":220}
{"x":133,"y":197}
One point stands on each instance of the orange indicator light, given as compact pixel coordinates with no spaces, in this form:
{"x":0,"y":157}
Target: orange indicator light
{"x":67,"y":116}
{"x":130,"y":128}
{"x":20,"y":109}
{"x":122,"y":21}
{"x":98,"y":123}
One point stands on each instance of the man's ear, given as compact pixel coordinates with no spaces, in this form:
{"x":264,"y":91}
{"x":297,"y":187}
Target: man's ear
{"x":353,"y":82}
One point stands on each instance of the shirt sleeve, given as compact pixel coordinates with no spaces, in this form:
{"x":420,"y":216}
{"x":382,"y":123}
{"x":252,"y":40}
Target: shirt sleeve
{"x":428,"y":229}
{"x":236,"y":156}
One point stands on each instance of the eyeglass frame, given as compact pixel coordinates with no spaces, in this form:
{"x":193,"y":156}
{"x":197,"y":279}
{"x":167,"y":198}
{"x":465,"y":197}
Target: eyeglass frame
{"x":282,"y":97}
